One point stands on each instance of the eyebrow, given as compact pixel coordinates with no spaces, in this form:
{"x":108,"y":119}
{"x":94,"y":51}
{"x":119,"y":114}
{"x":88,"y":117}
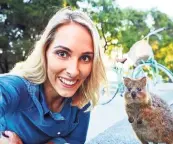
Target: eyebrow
{"x":90,"y":53}
{"x":69,"y":50}
{"x":63,"y":47}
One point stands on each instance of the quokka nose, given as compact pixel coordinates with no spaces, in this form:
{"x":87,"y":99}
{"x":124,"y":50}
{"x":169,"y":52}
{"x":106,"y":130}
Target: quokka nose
{"x":133,"y":94}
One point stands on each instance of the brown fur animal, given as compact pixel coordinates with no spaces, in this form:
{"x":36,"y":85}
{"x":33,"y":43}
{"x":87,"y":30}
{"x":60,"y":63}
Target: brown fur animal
{"x":149,"y":115}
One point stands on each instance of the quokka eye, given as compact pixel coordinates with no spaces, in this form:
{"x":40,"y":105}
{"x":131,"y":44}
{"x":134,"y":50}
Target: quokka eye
{"x":129,"y":89}
{"x":138,"y":89}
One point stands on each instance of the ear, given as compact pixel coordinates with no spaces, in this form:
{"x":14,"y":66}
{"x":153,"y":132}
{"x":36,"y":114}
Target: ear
{"x":126,"y":80}
{"x":144,"y":81}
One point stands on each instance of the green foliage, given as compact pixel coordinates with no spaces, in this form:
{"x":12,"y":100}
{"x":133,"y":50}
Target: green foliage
{"x":123,"y":27}
{"x":21,"y":23}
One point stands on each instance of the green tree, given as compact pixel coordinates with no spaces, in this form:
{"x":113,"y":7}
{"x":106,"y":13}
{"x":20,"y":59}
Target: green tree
{"x":162,"y":42}
{"x":21,"y":23}
{"x":121,"y":28}
{"x":118,"y":27}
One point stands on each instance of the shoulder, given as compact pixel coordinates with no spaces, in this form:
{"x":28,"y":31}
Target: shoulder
{"x":17,"y":89}
{"x":12,"y":83}
{"x":85,"y":110}
{"x":11,"y":79}
{"x":86,"y":107}
{"x":158,"y":101}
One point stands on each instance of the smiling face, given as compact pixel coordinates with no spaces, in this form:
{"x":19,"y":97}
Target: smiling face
{"x":69,"y":60}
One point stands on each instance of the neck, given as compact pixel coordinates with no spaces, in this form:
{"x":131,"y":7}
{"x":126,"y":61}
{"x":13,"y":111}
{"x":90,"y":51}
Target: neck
{"x":53,"y":100}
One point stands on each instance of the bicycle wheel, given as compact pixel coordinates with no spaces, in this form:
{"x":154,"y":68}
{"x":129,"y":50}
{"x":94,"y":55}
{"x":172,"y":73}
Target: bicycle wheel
{"x":107,"y":97}
{"x":158,"y":72}
{"x":159,"y":82}
{"x":111,"y":89}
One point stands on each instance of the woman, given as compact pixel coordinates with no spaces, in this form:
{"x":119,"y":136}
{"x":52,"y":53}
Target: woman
{"x":47,"y":97}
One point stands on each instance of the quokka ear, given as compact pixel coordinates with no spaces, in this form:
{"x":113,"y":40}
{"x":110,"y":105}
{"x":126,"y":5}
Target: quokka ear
{"x":144,"y":80}
{"x":126,"y":80}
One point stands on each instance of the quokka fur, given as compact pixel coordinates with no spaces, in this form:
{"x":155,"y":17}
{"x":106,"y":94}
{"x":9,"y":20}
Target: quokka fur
{"x":150,"y":116}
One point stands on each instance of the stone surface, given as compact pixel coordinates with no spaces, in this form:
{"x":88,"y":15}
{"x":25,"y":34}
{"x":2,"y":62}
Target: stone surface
{"x":120,"y":133}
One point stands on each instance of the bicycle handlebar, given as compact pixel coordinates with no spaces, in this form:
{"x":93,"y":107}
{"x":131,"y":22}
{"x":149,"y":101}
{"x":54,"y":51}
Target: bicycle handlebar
{"x":155,"y":31}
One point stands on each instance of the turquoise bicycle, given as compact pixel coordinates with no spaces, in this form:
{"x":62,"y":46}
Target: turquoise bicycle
{"x":144,"y":65}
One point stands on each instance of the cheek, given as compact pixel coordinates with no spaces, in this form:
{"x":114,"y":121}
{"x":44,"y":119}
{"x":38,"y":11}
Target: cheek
{"x":50,"y":68}
{"x":141,"y":96}
{"x":50,"y":61}
{"x":52,"y":71}
{"x":85,"y":72}
{"x":53,"y":65}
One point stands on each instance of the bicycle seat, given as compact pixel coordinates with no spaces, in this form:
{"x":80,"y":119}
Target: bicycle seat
{"x":141,"y":50}
{"x":121,"y":60}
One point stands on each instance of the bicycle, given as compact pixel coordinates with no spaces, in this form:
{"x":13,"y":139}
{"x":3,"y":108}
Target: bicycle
{"x":144,"y":65}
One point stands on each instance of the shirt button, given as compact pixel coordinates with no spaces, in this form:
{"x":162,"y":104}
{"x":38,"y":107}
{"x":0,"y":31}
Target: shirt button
{"x":58,"y":133}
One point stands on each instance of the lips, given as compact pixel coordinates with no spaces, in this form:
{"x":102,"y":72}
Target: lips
{"x":68,"y":82}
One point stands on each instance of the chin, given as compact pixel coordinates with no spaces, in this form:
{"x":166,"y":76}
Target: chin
{"x":66,"y":94}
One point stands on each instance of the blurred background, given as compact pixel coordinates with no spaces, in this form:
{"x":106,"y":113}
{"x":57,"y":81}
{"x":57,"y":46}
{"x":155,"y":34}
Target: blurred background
{"x":120,"y":23}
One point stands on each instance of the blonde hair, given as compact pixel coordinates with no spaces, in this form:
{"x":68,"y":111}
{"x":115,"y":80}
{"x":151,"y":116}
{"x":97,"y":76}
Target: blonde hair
{"x":34,"y":67}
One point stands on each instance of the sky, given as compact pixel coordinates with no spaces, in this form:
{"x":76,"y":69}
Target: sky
{"x":165,"y":6}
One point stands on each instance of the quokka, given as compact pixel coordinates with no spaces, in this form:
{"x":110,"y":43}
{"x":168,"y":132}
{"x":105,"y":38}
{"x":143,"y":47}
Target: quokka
{"x":150,"y":116}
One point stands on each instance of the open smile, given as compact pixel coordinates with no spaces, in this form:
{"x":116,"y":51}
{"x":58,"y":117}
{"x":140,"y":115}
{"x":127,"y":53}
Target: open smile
{"x":68,"y":82}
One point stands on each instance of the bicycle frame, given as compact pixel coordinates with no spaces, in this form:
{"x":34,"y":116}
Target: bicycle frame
{"x":138,"y":69}
{"x":155,"y":70}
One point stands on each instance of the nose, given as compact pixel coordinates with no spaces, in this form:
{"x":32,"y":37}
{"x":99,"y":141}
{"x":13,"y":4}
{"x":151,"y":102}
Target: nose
{"x":73,"y":68}
{"x":133,"y":94}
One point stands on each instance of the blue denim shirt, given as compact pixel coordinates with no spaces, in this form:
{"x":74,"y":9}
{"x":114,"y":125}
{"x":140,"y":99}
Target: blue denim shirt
{"x":23,"y":109}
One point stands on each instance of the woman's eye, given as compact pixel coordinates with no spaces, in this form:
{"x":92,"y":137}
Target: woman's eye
{"x":86,"y":58}
{"x":62,"y":54}
{"x":138,"y":89}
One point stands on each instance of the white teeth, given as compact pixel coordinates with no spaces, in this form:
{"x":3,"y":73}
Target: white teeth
{"x":67,"y":81}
